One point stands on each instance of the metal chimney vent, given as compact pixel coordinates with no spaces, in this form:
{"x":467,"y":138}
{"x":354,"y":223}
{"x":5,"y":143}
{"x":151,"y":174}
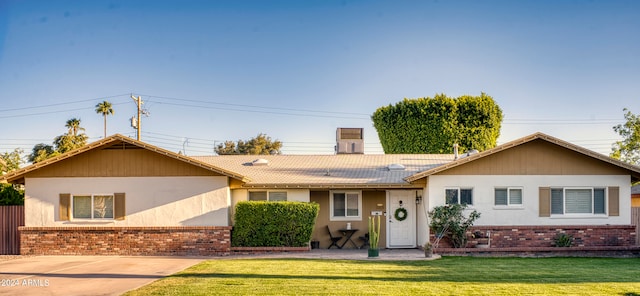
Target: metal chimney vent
{"x":349,"y":140}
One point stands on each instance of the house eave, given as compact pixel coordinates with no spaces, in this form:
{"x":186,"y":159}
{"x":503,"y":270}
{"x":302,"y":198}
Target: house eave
{"x":332,"y":186}
{"x":19,"y":175}
{"x":633,"y":170}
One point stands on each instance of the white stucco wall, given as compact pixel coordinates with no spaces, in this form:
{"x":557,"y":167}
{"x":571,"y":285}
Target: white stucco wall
{"x":150,"y":201}
{"x":422,"y":212}
{"x":483,"y":198}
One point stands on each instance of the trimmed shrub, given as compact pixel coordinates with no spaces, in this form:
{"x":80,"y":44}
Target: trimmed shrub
{"x":274,"y":224}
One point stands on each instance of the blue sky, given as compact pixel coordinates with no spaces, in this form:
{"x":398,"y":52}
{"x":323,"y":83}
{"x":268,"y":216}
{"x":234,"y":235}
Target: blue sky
{"x":211,"y":71}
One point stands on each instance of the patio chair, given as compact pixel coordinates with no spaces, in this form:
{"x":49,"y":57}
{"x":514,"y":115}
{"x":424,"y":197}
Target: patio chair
{"x":334,"y":239}
{"x":365,"y":240}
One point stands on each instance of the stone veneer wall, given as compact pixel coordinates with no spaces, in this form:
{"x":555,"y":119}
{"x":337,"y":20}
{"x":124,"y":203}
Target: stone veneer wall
{"x":543,"y":236}
{"x":145,"y":241}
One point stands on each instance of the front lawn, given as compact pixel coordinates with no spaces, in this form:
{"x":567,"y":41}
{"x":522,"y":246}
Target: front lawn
{"x":447,"y":276}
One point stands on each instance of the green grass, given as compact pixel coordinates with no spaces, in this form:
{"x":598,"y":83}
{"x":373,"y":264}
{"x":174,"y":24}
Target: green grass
{"x":447,"y":276}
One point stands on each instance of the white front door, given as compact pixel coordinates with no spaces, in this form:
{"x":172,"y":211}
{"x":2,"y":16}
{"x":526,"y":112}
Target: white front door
{"x":401,"y":233}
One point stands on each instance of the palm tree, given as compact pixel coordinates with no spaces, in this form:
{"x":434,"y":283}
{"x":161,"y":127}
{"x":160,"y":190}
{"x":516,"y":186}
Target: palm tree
{"x":105,"y":109}
{"x":73,"y":125}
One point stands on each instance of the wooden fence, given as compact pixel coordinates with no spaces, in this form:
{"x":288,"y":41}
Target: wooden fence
{"x":635,"y":219}
{"x":11,"y":217}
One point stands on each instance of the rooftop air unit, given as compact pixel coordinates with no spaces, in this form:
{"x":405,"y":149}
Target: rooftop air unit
{"x":350,"y":140}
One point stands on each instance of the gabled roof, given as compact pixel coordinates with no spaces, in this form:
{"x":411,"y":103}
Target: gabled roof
{"x":109,"y":141}
{"x":634,"y":170}
{"x":324,"y":171}
{"x":328,"y":171}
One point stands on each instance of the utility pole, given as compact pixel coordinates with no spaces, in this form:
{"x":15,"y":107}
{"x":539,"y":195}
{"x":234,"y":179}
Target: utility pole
{"x":138,"y":123}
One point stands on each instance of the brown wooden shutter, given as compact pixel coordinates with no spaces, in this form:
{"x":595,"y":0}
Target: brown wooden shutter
{"x":65,"y":206}
{"x":119,"y":206}
{"x":544,"y":196}
{"x":614,"y":201}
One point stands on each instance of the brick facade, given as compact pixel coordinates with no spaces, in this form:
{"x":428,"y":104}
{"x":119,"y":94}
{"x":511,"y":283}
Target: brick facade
{"x":144,"y":241}
{"x":543,"y":236}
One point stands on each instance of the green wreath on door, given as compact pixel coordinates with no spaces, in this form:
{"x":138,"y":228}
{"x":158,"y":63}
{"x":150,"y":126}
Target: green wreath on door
{"x":400,"y":214}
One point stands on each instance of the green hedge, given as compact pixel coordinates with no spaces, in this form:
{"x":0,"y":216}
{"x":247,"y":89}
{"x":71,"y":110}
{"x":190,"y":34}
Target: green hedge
{"x":274,"y":224}
{"x":433,"y":125}
{"x":9,"y":196}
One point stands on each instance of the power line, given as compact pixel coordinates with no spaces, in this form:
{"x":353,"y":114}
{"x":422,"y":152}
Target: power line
{"x":50,"y":112}
{"x":261,"y":112}
{"x":60,"y":104}
{"x":559,"y":123}
{"x":303,"y":112}
{"x":256,"y":106}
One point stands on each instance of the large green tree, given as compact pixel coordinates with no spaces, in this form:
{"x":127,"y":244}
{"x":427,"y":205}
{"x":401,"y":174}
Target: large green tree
{"x":73,"y":139}
{"x":434,"y":125}
{"x":628,"y":149}
{"x":105,"y":108}
{"x":10,"y":161}
{"x":40,"y":152}
{"x":260,"y":145}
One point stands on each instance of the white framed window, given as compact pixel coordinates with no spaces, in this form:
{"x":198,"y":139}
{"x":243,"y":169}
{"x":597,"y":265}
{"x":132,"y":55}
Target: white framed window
{"x":345,"y":205}
{"x":268,"y":195}
{"x":462,"y":196}
{"x":578,"y":201}
{"x":508,"y":196}
{"x":92,"y":206}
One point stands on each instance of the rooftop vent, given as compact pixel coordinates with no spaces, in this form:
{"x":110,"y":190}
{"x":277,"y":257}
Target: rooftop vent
{"x":472,"y":152}
{"x":469,"y":153}
{"x":260,"y":162}
{"x":350,"y":140}
{"x":395,"y":167}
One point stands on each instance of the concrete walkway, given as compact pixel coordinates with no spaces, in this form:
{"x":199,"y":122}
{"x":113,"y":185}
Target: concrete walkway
{"x":114,"y":275}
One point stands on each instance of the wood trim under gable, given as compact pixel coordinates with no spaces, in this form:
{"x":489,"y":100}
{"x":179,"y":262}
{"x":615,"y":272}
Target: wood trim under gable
{"x":537,"y":157}
{"x":614,"y":201}
{"x":108,"y":144}
{"x":120,"y":163}
{"x":524,"y":165}
{"x":544,"y":204}
{"x":65,"y":206}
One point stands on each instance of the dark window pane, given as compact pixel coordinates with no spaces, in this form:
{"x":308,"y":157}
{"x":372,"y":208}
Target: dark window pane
{"x":501,"y":197}
{"x":257,"y":195}
{"x":557,"y":205}
{"x":451,"y":196}
{"x":339,"y":203}
{"x":277,"y":196}
{"x":599,"y":206}
{"x":466,"y":196}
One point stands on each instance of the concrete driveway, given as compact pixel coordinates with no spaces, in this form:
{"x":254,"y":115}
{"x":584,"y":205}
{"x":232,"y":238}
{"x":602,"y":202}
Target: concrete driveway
{"x":85,"y":275}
